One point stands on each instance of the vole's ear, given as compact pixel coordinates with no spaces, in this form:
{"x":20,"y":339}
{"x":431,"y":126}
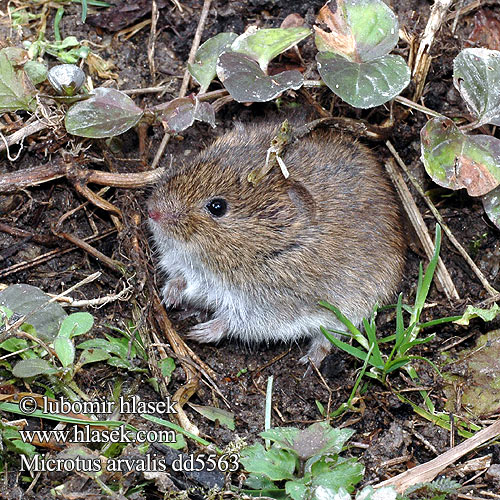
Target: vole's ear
{"x":303,"y":200}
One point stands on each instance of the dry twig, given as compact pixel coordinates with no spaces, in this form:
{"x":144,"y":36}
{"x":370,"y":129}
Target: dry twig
{"x":423,"y":58}
{"x":187,"y":76}
{"x":427,"y":472}
{"x":418,"y":223}
{"x":445,"y":227}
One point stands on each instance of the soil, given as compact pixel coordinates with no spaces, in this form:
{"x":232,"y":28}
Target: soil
{"x":390,"y":437}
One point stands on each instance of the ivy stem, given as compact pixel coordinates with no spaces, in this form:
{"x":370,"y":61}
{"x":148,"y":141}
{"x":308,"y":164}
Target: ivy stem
{"x":418,"y":107}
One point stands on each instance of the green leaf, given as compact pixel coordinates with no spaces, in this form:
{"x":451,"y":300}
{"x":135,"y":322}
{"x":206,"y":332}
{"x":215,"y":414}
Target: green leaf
{"x":366,"y":84}
{"x":16,"y":91}
{"x":334,"y":475}
{"x":65,"y":350}
{"x":476,"y":312}
{"x":203,"y":69}
{"x":246,"y":82}
{"x":317,"y":439}
{"x":491,"y":204}
{"x":27,"y":368}
{"x":37,"y":72}
{"x":76,"y":324}
{"x":258,"y":482}
{"x":13,"y":344}
{"x":455,"y":160}
{"x":226,"y":418}
{"x":167,"y":367}
{"x":107,"y":113}
{"x":93,"y":356}
{"x":110,"y":347}
{"x":179,"y":114}
{"x":120,"y":363}
{"x":263,"y":45}
{"x":360,"y":30}
{"x":30,"y":300}
{"x":274,"y":463}
{"x":476,"y":75}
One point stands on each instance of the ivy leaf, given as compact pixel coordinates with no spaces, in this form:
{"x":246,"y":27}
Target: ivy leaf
{"x":476,"y":75}
{"x":246,"y":82}
{"x":179,"y":114}
{"x":455,"y":160}
{"x":203,"y":69}
{"x":16,"y":90}
{"x":107,"y":113}
{"x":265,"y":44}
{"x":365,"y":84}
{"x":317,"y":439}
{"x":360,"y":30}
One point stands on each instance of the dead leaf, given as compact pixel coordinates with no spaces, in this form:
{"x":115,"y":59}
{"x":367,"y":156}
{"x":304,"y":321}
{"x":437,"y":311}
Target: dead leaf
{"x":486,"y":32}
{"x":340,"y":39}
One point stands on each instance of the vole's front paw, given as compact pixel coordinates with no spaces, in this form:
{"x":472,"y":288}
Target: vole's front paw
{"x":211,"y":331}
{"x":172,"y":292}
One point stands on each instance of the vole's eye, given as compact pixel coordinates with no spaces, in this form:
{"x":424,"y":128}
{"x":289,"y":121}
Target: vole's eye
{"x":217,"y":207}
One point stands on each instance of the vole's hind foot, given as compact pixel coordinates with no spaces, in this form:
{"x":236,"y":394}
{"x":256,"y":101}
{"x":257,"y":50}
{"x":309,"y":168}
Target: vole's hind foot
{"x":319,"y":349}
{"x":172,"y":292}
{"x":210,"y":331}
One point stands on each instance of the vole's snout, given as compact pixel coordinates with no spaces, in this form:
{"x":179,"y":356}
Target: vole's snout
{"x":154,"y":214}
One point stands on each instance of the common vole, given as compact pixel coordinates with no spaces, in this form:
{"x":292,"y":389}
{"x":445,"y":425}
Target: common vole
{"x":259,"y":258}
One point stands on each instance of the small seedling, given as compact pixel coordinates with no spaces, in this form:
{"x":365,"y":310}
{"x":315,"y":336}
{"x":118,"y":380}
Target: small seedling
{"x":305,"y":464}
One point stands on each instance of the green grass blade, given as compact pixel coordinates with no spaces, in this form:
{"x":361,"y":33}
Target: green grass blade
{"x":439,"y":321}
{"x":357,"y":335}
{"x":353,"y":351}
{"x":372,"y":338}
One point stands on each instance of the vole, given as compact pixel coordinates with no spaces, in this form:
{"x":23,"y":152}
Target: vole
{"x":261,"y":257}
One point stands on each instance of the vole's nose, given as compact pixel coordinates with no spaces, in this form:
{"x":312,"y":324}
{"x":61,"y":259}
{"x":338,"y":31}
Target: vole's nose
{"x":154,"y":214}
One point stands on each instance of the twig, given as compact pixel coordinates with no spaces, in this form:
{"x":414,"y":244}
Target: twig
{"x":21,"y":266}
{"x":356,"y":127}
{"x":177,"y":343}
{"x":428,"y":471}
{"x":187,"y":76}
{"x":22,"y":133}
{"x":418,"y":107}
{"x":418,"y":223}
{"x":194,"y":46}
{"x":446,"y":229}
{"x":155,"y":14}
{"x":28,"y":177}
{"x":112,"y":264}
{"x":423,"y":58}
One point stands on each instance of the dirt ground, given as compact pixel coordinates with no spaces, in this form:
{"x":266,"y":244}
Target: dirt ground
{"x":386,"y":429}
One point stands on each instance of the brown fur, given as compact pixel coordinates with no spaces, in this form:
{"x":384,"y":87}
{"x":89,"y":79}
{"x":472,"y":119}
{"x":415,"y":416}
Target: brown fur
{"x":332,"y":230}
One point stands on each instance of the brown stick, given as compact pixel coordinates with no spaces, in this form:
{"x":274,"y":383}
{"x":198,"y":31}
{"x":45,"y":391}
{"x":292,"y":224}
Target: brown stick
{"x":428,"y":471}
{"x":22,"y":133}
{"x":445,"y":227}
{"x":28,"y":177}
{"x":418,"y":223}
